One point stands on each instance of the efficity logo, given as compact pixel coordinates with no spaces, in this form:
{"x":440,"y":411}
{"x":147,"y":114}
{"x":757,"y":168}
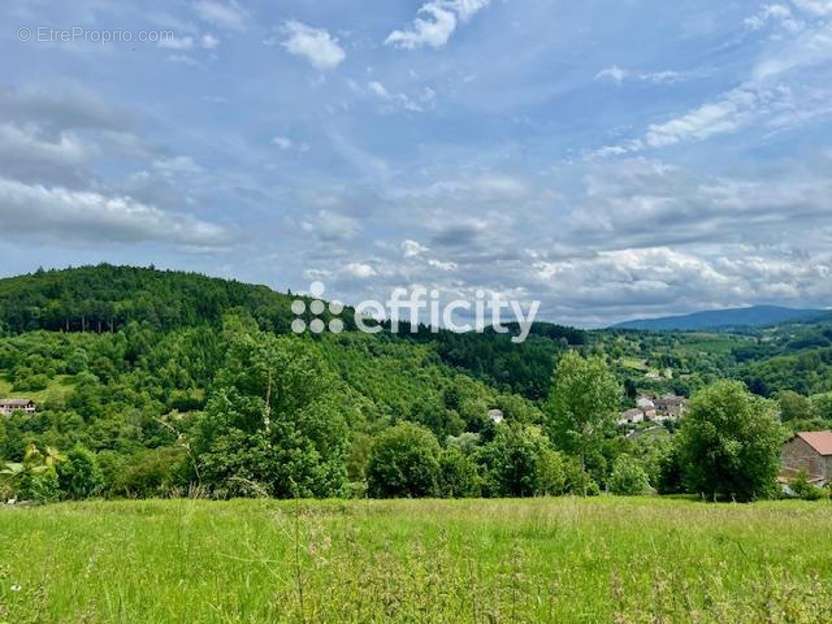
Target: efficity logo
{"x":316,"y":308}
{"x":418,"y":307}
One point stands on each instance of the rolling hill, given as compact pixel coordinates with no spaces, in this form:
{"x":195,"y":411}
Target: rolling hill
{"x":755,"y":316}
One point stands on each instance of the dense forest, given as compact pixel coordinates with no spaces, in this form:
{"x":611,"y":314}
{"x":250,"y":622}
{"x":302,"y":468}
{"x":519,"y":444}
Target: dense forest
{"x":153,"y":383}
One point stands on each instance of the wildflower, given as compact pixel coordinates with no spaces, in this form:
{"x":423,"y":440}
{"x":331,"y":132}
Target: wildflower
{"x":16,"y":587}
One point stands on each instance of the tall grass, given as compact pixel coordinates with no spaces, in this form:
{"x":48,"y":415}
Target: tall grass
{"x":546,"y":560}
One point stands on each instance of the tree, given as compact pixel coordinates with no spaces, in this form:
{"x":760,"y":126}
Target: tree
{"x":520,"y":461}
{"x":730,"y":443}
{"x":458,"y":475}
{"x":582,"y":405}
{"x":628,"y":477}
{"x":794,"y":406}
{"x":276,"y":422}
{"x":404,"y":463}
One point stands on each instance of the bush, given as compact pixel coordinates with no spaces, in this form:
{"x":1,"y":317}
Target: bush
{"x":40,"y":488}
{"x":404,"y":463}
{"x":628,"y":477}
{"x":149,"y":473}
{"x":805,"y":490}
{"x":80,"y":476}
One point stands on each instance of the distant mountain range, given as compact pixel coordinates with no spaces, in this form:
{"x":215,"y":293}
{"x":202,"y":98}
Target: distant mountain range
{"x":755,"y":316}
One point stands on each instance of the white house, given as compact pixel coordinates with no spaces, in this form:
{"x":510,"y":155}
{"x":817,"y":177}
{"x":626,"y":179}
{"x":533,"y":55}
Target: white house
{"x":8,"y":406}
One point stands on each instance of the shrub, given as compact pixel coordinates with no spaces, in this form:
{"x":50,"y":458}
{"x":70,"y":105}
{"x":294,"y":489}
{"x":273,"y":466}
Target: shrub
{"x":80,"y":476}
{"x":41,"y":487}
{"x":628,"y":477}
{"x":805,"y":490}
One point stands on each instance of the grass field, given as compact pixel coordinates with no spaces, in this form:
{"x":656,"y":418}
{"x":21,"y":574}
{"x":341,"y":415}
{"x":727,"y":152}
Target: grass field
{"x":58,"y":389}
{"x":546,"y":560}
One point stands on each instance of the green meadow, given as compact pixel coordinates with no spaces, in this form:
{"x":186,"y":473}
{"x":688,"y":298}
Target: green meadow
{"x":535,"y":560}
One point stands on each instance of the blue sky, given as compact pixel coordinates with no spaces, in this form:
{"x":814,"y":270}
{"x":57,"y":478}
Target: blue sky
{"x":613,"y":159}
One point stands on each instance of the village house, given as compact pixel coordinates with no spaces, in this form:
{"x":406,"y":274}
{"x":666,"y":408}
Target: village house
{"x":809,"y":452}
{"x":667,"y":408}
{"x":8,"y":406}
{"x":496,"y":416}
{"x":631,"y":417}
{"x":671,"y":407}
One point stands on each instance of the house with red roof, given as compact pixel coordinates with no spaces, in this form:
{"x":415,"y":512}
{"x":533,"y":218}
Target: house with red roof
{"x":810,"y":452}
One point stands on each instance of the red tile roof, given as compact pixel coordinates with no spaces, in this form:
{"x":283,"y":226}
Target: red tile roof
{"x":821,"y":441}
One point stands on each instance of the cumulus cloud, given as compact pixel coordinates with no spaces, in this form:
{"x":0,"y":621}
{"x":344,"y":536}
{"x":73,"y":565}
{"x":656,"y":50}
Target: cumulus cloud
{"x":412,"y":249}
{"x":435,"y":23}
{"x":87,"y":216}
{"x":316,"y":45}
{"x":359,"y":270}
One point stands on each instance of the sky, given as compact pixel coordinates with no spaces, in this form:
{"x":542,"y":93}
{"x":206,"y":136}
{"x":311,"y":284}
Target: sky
{"x":613,"y":159}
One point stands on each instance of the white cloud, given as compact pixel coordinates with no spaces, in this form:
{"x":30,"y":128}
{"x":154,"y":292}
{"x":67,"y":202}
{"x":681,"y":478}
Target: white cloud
{"x":487,"y":187}
{"x":401,"y":100}
{"x":177,"y":43}
{"x":92,"y":216}
{"x":736,"y":109}
{"x":316,"y":45}
{"x":209,"y":41}
{"x":332,"y":226}
{"x":438,"y":24}
{"x":27,"y":143}
{"x":614,"y":73}
{"x":443,"y":266}
{"x":359,"y":270}
{"x":814,"y":7}
{"x":229,"y":15}
{"x":813,"y":47}
{"x":619,"y":75}
{"x":413,"y":249}
{"x":777,"y":13}
{"x":282,"y":142}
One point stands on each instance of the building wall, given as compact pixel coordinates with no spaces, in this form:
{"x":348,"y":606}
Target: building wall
{"x":798,"y":455}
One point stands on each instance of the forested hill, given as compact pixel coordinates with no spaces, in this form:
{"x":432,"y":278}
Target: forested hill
{"x":106,"y":298}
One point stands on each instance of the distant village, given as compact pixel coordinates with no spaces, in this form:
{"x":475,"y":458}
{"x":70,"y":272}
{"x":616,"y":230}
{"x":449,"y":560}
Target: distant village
{"x":667,"y":408}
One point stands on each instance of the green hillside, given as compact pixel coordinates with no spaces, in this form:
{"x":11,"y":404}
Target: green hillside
{"x":156,"y":383}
